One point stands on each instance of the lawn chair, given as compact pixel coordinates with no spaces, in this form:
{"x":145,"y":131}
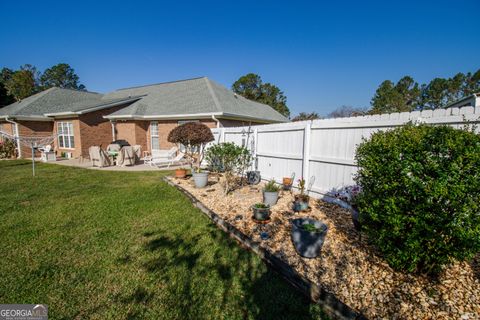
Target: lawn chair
{"x":177,"y":161}
{"x":126,"y":157}
{"x":160,"y":156}
{"x":138,"y":152}
{"x":98,"y":157}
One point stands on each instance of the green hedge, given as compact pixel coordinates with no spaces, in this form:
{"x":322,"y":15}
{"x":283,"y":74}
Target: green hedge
{"x":420,"y":195}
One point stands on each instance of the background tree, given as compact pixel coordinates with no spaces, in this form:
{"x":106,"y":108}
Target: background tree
{"x":302,"y":116}
{"x":62,"y":76}
{"x":400,"y":97}
{"x":251,"y":87}
{"x":408,"y":95}
{"x":5,"y":98}
{"x":347,"y":111}
{"x":23,"y":83}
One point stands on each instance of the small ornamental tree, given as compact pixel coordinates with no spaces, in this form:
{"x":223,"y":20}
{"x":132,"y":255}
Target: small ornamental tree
{"x":193,"y":136}
{"x":229,"y":158}
{"x":419,"y":202}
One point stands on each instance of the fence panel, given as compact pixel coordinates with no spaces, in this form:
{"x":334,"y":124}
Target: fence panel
{"x":323,"y":151}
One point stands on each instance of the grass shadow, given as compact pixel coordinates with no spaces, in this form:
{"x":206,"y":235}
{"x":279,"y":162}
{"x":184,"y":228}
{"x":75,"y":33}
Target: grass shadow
{"x":265,"y":294}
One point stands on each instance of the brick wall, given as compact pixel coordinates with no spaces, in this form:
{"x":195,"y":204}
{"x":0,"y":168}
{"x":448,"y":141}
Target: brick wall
{"x":96,"y":130}
{"x":164,"y":128}
{"x":6,"y":127}
{"x":138,"y":132}
{"x":33,"y":128}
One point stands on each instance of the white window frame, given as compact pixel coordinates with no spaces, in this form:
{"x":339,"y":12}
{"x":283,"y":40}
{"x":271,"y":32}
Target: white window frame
{"x":154,"y":134}
{"x":180,"y":122}
{"x":65,"y":133}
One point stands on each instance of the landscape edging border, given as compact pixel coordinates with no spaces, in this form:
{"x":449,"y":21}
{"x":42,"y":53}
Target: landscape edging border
{"x":330,"y":304}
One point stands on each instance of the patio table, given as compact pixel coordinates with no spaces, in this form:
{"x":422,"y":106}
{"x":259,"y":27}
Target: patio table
{"x":113,"y":155}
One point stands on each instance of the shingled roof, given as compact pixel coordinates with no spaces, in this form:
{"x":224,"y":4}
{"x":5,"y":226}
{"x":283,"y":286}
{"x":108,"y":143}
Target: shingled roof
{"x":191,"y":98}
{"x":59,"y":101}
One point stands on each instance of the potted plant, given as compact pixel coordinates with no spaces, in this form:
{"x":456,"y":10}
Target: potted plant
{"x":287,"y":183}
{"x":229,"y":158}
{"x":270,"y":193}
{"x":301,"y":200}
{"x":180,"y":173}
{"x":308,"y":236}
{"x":193,"y":136}
{"x":261,"y":211}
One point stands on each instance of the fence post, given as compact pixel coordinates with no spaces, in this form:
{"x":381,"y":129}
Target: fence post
{"x":255,"y":148}
{"x":222,"y":135}
{"x":306,"y":152}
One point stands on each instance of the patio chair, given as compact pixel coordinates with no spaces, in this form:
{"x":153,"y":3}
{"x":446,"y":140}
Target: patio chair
{"x":126,"y":157}
{"x":160,"y":156}
{"x":177,"y":161}
{"x":138,"y":152}
{"x":98,"y":157}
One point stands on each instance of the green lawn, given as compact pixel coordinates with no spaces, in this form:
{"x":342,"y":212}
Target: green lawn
{"x":125,"y":245}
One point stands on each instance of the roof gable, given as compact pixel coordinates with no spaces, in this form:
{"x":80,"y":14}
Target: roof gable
{"x":198,"y":96}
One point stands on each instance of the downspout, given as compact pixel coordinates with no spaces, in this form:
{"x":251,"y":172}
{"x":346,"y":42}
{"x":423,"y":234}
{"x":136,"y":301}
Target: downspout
{"x":113,"y":130}
{"x":216,"y":120}
{"x":17,"y":137}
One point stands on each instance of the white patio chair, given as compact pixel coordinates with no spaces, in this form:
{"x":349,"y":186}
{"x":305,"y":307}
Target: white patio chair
{"x":177,"y":161}
{"x":160,"y":156}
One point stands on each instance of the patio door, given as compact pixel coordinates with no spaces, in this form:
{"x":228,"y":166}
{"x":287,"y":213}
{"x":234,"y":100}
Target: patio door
{"x":154,"y":138}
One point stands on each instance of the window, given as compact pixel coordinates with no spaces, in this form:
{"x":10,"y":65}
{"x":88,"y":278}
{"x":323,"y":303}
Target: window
{"x":65,"y":135}
{"x":180,"y":122}
{"x":154,"y":139}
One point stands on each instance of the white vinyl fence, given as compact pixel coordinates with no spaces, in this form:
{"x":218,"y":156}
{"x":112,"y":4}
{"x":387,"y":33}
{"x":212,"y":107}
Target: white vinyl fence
{"x":323,"y":151}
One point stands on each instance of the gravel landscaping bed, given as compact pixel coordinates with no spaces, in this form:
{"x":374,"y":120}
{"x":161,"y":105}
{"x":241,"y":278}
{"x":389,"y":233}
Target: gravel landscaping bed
{"x":348,"y":267}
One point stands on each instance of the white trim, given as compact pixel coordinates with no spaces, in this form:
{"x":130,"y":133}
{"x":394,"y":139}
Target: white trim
{"x":151,"y":136}
{"x":219,"y":115}
{"x":69,"y":133}
{"x":29,"y":118}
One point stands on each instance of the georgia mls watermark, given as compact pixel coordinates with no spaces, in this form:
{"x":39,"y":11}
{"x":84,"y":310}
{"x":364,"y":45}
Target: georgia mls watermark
{"x":23,"y":312}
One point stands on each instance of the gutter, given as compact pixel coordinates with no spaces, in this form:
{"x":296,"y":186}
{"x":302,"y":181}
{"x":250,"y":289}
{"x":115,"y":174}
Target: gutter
{"x":17,"y":137}
{"x":212,"y":115}
{"x":216,"y":120}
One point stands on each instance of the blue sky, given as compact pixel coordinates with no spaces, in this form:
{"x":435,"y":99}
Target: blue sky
{"x":321,"y":54}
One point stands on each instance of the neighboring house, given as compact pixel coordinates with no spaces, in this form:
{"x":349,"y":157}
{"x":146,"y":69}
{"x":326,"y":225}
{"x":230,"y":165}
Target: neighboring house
{"x":472,"y":100}
{"x":141,"y":115}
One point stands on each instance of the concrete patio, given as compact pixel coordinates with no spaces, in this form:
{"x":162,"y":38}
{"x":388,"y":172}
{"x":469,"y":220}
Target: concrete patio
{"x":87,"y":164}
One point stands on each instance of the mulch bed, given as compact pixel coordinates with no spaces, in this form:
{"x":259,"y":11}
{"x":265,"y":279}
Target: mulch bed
{"x":348,"y":266}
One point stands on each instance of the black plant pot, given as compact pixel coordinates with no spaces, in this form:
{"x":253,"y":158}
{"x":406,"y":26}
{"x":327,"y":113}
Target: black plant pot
{"x":261,"y":214}
{"x":253,"y":177}
{"x":307,"y":243}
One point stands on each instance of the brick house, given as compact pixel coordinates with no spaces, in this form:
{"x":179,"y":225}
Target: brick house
{"x":140,"y":115}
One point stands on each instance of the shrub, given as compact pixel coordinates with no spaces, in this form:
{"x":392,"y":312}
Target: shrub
{"x":420,"y":195}
{"x":7,"y":148}
{"x":193,"y":136}
{"x":229,"y":158}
